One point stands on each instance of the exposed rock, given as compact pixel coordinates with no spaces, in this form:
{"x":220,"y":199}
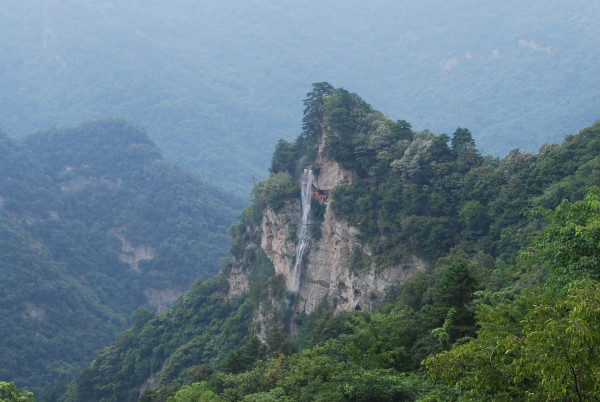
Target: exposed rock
{"x":264,"y":320}
{"x":132,"y":255}
{"x":34,"y":312}
{"x":162,"y":299}
{"x":148,"y":383}
{"x":152,"y":379}
{"x":66,"y":169}
{"x":239,"y":281}
{"x":79,"y":182}
{"x":327,"y":270}
{"x":330,"y":173}
{"x":327,"y":266}
{"x":279,"y":234}
{"x":26,"y":218}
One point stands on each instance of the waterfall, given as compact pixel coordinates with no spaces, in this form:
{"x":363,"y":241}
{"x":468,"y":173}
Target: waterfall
{"x":303,"y":232}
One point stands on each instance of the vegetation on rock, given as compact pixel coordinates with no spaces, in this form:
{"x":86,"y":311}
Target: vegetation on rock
{"x":412,"y":193}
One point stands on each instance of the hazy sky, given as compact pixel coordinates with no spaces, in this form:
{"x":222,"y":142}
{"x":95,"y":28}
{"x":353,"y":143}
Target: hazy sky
{"x":209,"y":78}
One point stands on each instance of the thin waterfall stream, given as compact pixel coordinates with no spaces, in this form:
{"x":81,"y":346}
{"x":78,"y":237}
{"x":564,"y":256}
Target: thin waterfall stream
{"x":303,"y":231}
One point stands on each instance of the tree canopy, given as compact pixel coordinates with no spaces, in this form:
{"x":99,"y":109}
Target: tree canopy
{"x":93,"y":225}
{"x":478,"y":311}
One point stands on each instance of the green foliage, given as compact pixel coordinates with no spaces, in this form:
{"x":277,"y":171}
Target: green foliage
{"x":74,"y":204}
{"x":419,"y":196}
{"x":140,"y":317}
{"x":319,"y":326}
{"x":275,"y":190}
{"x":284,"y":157}
{"x":10,"y":393}
{"x":196,"y":392}
{"x":312,"y":120}
{"x":412,"y":195}
{"x":279,"y":342}
{"x":542,"y":346}
{"x":475,"y":218}
{"x":242,"y":359}
{"x":46,"y":315}
{"x":338,"y":120}
{"x":570,"y":242}
{"x":441,"y":334}
{"x":201,"y":328}
{"x":455,"y":291}
{"x":333,"y":371}
{"x":203,"y":331}
{"x":316,"y":375}
{"x":245,"y":232}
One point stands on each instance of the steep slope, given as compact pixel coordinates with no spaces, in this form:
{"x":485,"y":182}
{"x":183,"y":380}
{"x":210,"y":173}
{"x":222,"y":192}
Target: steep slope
{"x":386,"y":202}
{"x":95,"y":224}
{"x":389,"y":201}
{"x":324,"y":268}
{"x":51,"y":324}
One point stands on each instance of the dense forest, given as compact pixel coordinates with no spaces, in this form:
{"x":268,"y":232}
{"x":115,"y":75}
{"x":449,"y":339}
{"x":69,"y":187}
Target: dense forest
{"x":94,"y":224}
{"x":507,"y":308}
{"x":217,"y":84}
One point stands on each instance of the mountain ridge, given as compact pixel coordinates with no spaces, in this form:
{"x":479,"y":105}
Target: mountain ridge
{"x":95,"y":224}
{"x":411,"y":193}
{"x":204,"y":81}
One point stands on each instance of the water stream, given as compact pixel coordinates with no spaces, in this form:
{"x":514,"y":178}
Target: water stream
{"x":303,"y":231}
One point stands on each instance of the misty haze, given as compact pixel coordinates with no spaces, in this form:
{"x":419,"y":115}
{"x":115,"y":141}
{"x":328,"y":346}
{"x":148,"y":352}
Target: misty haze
{"x":299,"y":200}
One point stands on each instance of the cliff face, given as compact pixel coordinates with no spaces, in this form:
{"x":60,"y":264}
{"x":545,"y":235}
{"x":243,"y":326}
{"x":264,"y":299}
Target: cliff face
{"x":330,"y":173}
{"x":278,"y":237}
{"x":327,"y":270}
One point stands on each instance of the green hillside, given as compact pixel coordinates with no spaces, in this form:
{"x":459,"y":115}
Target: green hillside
{"x":414,"y":192}
{"x":94,"y":225}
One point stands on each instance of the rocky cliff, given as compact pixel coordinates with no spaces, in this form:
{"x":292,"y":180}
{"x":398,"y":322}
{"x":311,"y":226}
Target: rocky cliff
{"x":327,"y":270}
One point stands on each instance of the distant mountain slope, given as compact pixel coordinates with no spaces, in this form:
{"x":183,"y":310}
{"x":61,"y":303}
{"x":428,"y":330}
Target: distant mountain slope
{"x":216,"y":84}
{"x":94,"y":225}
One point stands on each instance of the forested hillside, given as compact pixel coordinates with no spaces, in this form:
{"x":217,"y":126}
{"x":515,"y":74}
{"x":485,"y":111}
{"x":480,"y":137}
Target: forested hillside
{"x":94,"y":224}
{"x":216,"y":84}
{"x":502,"y":250}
